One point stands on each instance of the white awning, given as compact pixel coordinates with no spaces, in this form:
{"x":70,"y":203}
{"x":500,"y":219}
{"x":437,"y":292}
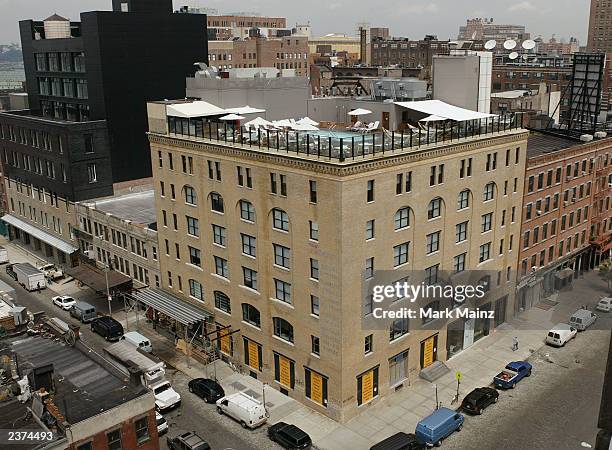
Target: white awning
{"x":197,"y":108}
{"x":47,"y":238}
{"x":444,"y":110}
{"x":171,"y":306}
{"x":245,"y":110}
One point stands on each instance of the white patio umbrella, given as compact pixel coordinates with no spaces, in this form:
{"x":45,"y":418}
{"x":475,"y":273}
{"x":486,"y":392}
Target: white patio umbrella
{"x":359,"y":112}
{"x":258,"y":122}
{"x":282,"y":123}
{"x":304,"y":127}
{"x":231,"y":117}
{"x":307,"y":121}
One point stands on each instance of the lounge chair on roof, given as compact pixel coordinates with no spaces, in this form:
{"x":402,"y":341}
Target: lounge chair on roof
{"x":357,"y":126}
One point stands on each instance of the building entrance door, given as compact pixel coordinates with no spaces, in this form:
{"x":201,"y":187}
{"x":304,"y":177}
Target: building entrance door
{"x":429,"y":351}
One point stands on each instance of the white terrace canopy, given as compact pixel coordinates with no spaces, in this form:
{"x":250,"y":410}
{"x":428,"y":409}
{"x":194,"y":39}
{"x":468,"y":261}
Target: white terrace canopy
{"x":442,"y":110}
{"x":197,"y":108}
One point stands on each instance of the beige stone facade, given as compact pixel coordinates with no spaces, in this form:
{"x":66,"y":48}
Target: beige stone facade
{"x":306,"y":224}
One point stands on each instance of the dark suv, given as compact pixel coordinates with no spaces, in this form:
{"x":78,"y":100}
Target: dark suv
{"x":187,"y":441}
{"x":107,"y":327}
{"x":207,"y":389}
{"x":289,"y":436}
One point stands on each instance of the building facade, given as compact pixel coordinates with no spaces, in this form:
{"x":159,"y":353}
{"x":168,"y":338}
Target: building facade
{"x":226,"y":27}
{"x":566,"y":220}
{"x":600,"y":27}
{"x":485,"y":29}
{"x":405,"y":52}
{"x":289,"y":52}
{"x":273,"y":246}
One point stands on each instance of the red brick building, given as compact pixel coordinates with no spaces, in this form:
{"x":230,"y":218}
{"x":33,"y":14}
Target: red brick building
{"x":566,"y":219}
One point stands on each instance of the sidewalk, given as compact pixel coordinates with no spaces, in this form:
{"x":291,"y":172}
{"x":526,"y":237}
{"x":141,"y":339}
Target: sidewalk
{"x":397,"y":412}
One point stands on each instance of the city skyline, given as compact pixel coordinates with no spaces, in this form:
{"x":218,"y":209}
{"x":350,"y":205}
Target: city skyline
{"x":563,"y":18}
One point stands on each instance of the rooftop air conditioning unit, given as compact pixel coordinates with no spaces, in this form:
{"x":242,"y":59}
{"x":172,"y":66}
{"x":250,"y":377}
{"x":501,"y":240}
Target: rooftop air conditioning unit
{"x":600,"y":134}
{"x":586,"y":137}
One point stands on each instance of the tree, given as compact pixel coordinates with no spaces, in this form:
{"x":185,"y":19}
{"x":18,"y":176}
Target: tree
{"x":605,"y":271}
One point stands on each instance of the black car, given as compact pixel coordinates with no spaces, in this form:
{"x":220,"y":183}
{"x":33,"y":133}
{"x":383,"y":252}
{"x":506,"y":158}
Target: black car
{"x":206,"y":389}
{"x":477,"y":400}
{"x":187,"y":441}
{"x":107,"y":327}
{"x":289,"y":436}
{"x":400,"y":441}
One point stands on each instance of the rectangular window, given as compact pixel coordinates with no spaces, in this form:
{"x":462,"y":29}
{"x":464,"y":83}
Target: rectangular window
{"x":282,"y":291}
{"x":400,"y":254}
{"x":313,"y":191}
{"x":249,"y":245}
{"x":316,"y":348}
{"x":273,"y":187}
{"x":219,"y":235}
{"x":370,"y":192}
{"x":314,"y":269}
{"x":485,"y":252}
{"x":459,"y":263}
{"x":314,"y":230}
{"x":221,"y":267}
{"x":433,"y":242}
{"x":92,"y":176}
{"x":283,"y":185}
{"x":461,"y":232}
{"x":113,"y":439}
{"x":314,"y":305}
{"x":369,"y":268}
{"x":282,"y":256}
{"x":141,"y":427}
{"x":486,"y":222}
{"x":193,"y":227}
{"x":249,"y":278}
{"x":368,"y":344}
{"x":370,"y":229}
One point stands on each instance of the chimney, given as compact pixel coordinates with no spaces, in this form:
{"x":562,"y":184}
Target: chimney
{"x":135,"y":376}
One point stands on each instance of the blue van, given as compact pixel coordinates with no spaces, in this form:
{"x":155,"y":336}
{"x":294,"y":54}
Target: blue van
{"x":439,"y":425}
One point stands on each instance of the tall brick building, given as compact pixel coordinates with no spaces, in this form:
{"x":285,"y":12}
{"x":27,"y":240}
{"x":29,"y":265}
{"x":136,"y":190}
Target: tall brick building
{"x":600,"y":26}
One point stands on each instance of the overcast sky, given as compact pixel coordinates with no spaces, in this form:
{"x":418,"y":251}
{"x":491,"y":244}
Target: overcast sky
{"x":410,"y":18}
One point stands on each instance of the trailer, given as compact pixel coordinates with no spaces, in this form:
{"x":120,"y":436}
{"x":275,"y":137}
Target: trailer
{"x":29,"y":276}
{"x":153,"y":372}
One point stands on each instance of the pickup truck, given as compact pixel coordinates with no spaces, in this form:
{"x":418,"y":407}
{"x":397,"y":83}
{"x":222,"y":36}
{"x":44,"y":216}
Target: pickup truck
{"x":512,"y":374}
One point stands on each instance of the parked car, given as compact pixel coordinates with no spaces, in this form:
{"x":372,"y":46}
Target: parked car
{"x":582,"y":319}
{"x":289,"y":436}
{"x":162,"y":424}
{"x":140,"y":341}
{"x":83,"y":311}
{"x":11,"y":273}
{"x":64,"y":301}
{"x":604,"y":305}
{"x":207,"y":389}
{"x":400,"y":441}
{"x":560,"y":334}
{"x":51,"y":271}
{"x":439,"y":425}
{"x":477,"y":400}
{"x":243,"y":408}
{"x":187,"y":441}
{"x":512,"y":374}
{"x":107,"y":327}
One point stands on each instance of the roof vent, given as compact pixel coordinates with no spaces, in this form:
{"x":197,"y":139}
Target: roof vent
{"x":600,"y":134}
{"x":586,"y":137}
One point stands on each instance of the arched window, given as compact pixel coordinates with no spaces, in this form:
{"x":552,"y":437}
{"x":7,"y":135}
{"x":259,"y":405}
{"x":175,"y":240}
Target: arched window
{"x":280,"y":219}
{"x":463,"y":200}
{"x":195,"y":290}
{"x":283,"y":329}
{"x":216,"y":202}
{"x":434,"y":209}
{"x":489,"y":192}
{"x":251,"y":315}
{"x":190,"y":195}
{"x":402,"y":218}
{"x":247,"y":211}
{"x":222,"y":302}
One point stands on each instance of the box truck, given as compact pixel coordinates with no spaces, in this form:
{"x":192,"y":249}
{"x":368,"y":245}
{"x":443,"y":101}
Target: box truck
{"x":29,"y":276}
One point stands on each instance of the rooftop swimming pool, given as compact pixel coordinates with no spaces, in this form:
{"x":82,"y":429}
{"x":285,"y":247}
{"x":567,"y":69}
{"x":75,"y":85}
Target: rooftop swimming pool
{"x":335,"y":134}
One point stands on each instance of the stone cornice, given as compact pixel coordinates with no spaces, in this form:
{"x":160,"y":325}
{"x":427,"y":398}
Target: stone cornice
{"x":337,"y":168}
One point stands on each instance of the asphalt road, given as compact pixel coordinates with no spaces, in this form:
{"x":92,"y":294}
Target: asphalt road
{"x":556,"y":408}
{"x":221,"y":432}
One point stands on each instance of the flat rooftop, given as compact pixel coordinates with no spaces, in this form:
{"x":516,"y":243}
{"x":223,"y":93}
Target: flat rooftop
{"x":13,"y":416}
{"x":540,"y":144}
{"x":84,"y":386}
{"x":138,"y":207}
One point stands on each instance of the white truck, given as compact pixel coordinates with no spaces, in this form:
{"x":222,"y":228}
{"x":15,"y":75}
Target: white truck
{"x":4,"y":258}
{"x":153,"y":373}
{"x":29,"y":276}
{"x":51,"y":271}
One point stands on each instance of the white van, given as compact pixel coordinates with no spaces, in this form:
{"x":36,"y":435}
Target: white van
{"x":582,"y":319}
{"x":605,"y":304}
{"x":561,"y":334}
{"x":140,"y":341}
{"x":243,"y":408}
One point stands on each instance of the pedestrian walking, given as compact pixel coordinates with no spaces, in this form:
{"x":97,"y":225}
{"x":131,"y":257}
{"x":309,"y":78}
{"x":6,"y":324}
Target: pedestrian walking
{"x":515,"y":343}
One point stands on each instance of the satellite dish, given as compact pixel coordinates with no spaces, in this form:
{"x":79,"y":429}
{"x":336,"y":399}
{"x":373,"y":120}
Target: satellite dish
{"x":525,"y":56}
{"x":513,"y":55}
{"x":509,"y":44}
{"x":529,"y":44}
{"x":490,"y":45}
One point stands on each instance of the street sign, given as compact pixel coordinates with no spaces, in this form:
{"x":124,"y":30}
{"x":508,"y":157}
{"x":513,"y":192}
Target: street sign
{"x":458,"y":376}
{"x":110,"y":298}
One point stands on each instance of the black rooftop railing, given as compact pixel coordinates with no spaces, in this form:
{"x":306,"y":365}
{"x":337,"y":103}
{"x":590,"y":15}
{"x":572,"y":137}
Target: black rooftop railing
{"x":336,"y":145}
